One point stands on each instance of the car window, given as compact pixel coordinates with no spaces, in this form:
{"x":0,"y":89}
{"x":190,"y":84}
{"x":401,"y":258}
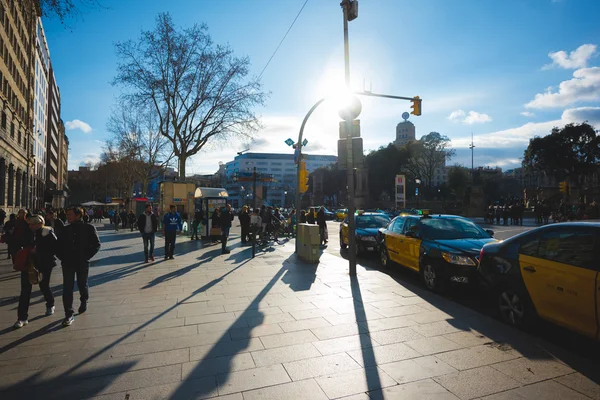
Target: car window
{"x":451,"y":229}
{"x":398,"y":228}
{"x":391,"y":225}
{"x":568,"y":247}
{"x":409,"y":225}
{"x":530,"y":246}
{"x":371,"y":221}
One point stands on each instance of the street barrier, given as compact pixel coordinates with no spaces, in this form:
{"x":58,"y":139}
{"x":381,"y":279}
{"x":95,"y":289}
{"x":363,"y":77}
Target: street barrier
{"x":309,"y":243}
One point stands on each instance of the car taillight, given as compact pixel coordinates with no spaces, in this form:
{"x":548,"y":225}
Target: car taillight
{"x":481,"y":253}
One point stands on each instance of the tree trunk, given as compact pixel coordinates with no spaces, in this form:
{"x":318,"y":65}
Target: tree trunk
{"x":182,"y":160}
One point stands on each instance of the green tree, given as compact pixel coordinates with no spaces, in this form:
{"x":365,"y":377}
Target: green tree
{"x":459,"y":179}
{"x":570,"y":153}
{"x":383,"y":165}
{"x":427,"y":154}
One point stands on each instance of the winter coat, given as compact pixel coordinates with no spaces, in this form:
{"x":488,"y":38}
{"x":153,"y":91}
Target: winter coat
{"x":77,"y":244}
{"x":45,"y":248}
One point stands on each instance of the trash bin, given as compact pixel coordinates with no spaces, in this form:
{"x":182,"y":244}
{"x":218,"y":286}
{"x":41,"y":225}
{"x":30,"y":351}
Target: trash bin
{"x":309,"y":243}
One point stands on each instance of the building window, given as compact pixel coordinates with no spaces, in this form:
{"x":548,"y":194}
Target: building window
{"x":11,"y":185}
{"x":3,"y":119}
{"x":12,"y":131}
{"x":18,"y":190}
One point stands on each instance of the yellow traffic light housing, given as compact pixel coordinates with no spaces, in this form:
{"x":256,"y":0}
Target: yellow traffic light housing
{"x":562,"y":186}
{"x":303,"y":178}
{"x":416,"y":106}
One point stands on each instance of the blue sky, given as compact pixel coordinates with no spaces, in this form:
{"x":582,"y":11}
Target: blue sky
{"x":504,"y":71}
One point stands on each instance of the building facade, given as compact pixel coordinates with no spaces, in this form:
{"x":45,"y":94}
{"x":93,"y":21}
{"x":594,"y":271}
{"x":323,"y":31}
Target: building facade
{"x":405,"y":132}
{"x":40,"y":115}
{"x":280,"y":192}
{"x":17,"y":36}
{"x":59,"y":201}
{"x":54,"y":195}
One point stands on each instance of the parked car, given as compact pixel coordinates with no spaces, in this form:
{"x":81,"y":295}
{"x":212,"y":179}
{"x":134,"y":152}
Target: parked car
{"x":551,"y":272}
{"x":341,"y":214}
{"x":366,"y":226}
{"x":442,"y":248}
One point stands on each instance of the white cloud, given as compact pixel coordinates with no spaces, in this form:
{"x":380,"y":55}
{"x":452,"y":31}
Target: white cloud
{"x":78,"y":124}
{"x":527,"y":114}
{"x":573,"y":60}
{"x":473,"y":117}
{"x":581,"y":114}
{"x":585,"y":86}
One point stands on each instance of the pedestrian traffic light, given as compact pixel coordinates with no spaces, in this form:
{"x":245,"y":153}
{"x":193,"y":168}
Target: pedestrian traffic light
{"x":562,"y":186}
{"x":303,"y":178}
{"x":416,"y":105}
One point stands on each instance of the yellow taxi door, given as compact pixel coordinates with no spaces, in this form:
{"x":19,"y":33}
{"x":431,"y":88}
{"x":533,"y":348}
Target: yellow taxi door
{"x":392,"y":239}
{"x":344,"y":237}
{"x":406,"y":244}
{"x":561,"y":279}
{"x":413,"y":249}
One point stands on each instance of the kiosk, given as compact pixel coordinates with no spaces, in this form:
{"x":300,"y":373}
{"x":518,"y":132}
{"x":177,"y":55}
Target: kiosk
{"x":208,"y":200}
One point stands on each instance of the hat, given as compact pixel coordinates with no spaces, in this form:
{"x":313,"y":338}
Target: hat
{"x":35,"y":219}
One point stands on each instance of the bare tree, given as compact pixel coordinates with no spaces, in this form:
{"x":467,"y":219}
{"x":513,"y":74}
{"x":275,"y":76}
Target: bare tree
{"x":63,"y":9}
{"x":136,"y":135}
{"x":199,"y":90}
{"x":121,"y":166}
{"x":426,"y":155}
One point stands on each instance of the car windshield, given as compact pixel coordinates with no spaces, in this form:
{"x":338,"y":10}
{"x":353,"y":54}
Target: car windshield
{"x":371,"y":221}
{"x":451,"y":228}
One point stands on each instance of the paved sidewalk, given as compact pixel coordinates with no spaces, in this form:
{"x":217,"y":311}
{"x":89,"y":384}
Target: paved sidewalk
{"x":209,"y":325}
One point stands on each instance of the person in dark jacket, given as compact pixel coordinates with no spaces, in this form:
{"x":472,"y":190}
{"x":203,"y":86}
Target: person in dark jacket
{"x":303,"y":217}
{"x":245,"y":224}
{"x":43,"y":240}
{"x":21,"y":235}
{"x":171,"y":225}
{"x":56,"y":224}
{"x":131,"y":220}
{"x":76,"y":246}
{"x":215,"y":223}
{"x":9,"y":230}
{"x":322,"y":222}
{"x":147,"y":224}
{"x":225,"y":223}
{"x":310,"y":216}
{"x":198,"y":216}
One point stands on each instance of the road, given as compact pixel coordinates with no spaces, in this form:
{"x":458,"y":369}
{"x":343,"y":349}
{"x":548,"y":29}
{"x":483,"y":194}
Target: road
{"x":474,"y":298}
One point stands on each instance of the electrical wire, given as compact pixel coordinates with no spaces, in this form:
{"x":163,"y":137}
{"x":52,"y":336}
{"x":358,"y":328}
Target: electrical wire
{"x":281,"y":42}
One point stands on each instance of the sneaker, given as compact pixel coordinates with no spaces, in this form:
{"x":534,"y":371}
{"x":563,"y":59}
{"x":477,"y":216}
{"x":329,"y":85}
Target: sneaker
{"x":171,"y":258}
{"x":68,"y":321}
{"x":226,"y":251}
{"x":50,"y":310}
{"x":82,"y":307}
{"x":152,"y":258}
{"x":19,"y":324}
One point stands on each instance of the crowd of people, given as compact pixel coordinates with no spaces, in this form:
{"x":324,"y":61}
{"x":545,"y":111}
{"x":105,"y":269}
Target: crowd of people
{"x":511,"y":212}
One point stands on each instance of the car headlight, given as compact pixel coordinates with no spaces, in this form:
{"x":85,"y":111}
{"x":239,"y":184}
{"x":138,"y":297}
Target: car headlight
{"x":367,"y":238}
{"x":458,"y":260}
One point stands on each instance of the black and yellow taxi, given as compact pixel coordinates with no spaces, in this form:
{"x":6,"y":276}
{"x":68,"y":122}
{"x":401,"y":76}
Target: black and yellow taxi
{"x":442,"y":248}
{"x":551,"y":272}
{"x":341,"y":214}
{"x":367,"y":225}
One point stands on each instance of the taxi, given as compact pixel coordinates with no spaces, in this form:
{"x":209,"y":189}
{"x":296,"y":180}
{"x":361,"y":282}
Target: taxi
{"x":341,"y":214}
{"x":441,"y":248}
{"x":551,"y":272}
{"x":367,"y":225}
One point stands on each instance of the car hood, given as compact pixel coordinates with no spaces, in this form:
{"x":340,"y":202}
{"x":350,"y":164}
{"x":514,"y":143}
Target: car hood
{"x":367,"y":231}
{"x":470,"y":246}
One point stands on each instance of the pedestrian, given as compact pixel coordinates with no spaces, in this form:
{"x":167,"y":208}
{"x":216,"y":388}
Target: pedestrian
{"x":263,"y":216}
{"x":198,"y":216}
{"x":131,"y":219}
{"x":303,"y":216}
{"x":255,"y":223}
{"x":56,"y":224}
{"x":9,"y":230}
{"x":293,"y":221}
{"x":21,"y":233}
{"x":43,"y":241}
{"x":2,"y":216}
{"x":171,"y":225}
{"x":117,"y":221}
{"x":244,"y":218}
{"x":322,"y":222}
{"x":310,"y":217}
{"x":77,"y":244}
{"x":225,"y":223}
{"x":123,"y":217}
{"x":215,"y":225}
{"x":148,"y":225}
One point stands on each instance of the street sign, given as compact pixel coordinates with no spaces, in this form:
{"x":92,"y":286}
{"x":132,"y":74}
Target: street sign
{"x":400,"y":191}
{"x":304,"y":142}
{"x":289,"y":142}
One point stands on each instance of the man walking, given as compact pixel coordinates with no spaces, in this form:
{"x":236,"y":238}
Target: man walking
{"x":198,"y":216}
{"x":225,"y":222}
{"x":148,"y":225}
{"x":77,"y":244}
{"x":171,"y":225}
{"x":56,"y":224}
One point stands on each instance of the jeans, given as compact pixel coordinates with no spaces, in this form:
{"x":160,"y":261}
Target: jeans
{"x":69,"y":271}
{"x":170,"y":243}
{"x":195,"y":229}
{"x":245,"y":233}
{"x":224,"y":236}
{"x":25,"y":296}
{"x":148,"y":239}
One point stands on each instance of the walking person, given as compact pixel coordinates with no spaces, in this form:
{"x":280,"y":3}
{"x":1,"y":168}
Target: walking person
{"x":21,"y":233}
{"x":77,"y":244}
{"x":9,"y":230}
{"x":198,"y":215}
{"x":322,"y":222}
{"x":131,"y":220}
{"x":56,"y":224}
{"x":171,"y":225}
{"x":2,"y":216}
{"x":310,"y":216}
{"x":44,"y":241}
{"x":244,"y":218}
{"x":302,"y":216}
{"x":148,"y":225}
{"x":225,"y":223}
{"x":215,"y":225}
{"x":117,"y":221}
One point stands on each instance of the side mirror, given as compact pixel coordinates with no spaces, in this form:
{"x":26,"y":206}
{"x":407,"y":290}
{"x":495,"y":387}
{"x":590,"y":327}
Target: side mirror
{"x":490,"y":232}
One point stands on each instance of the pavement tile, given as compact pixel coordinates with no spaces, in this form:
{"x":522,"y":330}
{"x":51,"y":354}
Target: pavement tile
{"x":387,"y":323}
{"x":23,"y":364}
{"x":433,"y":345}
{"x":221,"y":326}
{"x":203,"y":319}
{"x":343,"y":344}
{"x":303,"y":390}
{"x":218,"y":365}
{"x":225,"y":348}
{"x":318,"y":366}
{"x":416,"y":369}
{"x":478,"y":356}
{"x":529,"y":371}
{"x":383,"y":354}
{"x":476,"y":382}
{"x":252,"y":379}
{"x":198,"y":388}
{"x":437,"y":328}
{"x":42,"y":349}
{"x":398,"y":311}
{"x":426,"y":389}
{"x":196,"y":309}
{"x":293,"y":326}
{"x":255,"y":331}
{"x":468,"y":338}
{"x":394,"y":335}
{"x":319,"y":312}
{"x":426,"y":317}
{"x":354,"y":382}
{"x":581,"y":384}
{"x":124,"y":350}
{"x":284,"y":354}
{"x":548,"y":390}
{"x":170,"y":333}
{"x":296,"y":307}
{"x":269,"y":319}
{"x":158,"y":324}
{"x":336,"y":331}
{"x":287,"y":339}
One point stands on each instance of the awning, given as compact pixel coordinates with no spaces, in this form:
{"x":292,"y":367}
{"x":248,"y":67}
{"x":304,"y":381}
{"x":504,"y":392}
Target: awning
{"x":210,"y":193}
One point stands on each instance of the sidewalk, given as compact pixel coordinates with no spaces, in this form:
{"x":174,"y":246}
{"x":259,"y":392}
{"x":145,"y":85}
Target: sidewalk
{"x":208,"y":325}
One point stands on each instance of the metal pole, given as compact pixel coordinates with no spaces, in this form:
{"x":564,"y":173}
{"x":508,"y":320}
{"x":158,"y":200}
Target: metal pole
{"x":253,"y":208}
{"x":350,"y":173}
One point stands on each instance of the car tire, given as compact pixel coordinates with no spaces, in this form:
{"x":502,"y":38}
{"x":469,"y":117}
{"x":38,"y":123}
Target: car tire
{"x":431,"y":278}
{"x":384,"y":257}
{"x":515,"y":308}
{"x":359,"y":252}
{"x":342,"y":244}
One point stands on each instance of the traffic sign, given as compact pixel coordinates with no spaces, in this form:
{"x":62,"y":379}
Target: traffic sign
{"x":289,"y":142}
{"x":304,"y":142}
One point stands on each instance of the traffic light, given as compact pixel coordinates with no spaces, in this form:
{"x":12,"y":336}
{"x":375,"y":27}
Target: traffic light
{"x":562,"y":186}
{"x":303,"y":178}
{"x":416,"y":106}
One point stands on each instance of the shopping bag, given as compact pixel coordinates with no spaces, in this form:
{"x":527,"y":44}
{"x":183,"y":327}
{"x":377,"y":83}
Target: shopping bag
{"x":215,"y":231}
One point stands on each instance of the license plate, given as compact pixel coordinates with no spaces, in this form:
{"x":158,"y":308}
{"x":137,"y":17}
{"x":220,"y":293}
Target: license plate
{"x":370,"y":248}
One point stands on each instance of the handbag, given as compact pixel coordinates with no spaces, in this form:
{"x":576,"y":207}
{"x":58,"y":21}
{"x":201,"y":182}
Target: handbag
{"x":215,"y":231}
{"x":22,"y":259}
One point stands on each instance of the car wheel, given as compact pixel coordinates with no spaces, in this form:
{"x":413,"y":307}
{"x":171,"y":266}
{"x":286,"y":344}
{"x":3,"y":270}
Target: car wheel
{"x":515,"y":309}
{"x":384,"y":257}
{"x":431,"y":278}
{"x":342,"y":244}
{"x":358,"y":250}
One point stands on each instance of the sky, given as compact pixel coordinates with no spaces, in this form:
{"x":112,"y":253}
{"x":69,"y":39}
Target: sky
{"x":502,"y":71}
